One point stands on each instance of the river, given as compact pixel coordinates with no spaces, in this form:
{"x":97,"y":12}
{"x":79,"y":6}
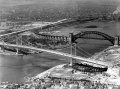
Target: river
{"x":15,"y":68}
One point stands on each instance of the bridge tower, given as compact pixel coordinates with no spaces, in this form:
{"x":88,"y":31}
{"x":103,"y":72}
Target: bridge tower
{"x":71,"y":48}
{"x":17,"y":50}
{"x":116,"y":40}
{"x":2,"y":47}
{"x":18,"y":42}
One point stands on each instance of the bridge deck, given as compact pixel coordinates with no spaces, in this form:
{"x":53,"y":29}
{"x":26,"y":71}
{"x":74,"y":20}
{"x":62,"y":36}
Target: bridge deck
{"x":94,"y":62}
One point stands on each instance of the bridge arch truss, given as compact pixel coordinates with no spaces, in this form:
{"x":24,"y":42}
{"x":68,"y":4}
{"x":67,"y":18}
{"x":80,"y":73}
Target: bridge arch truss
{"x":88,"y":35}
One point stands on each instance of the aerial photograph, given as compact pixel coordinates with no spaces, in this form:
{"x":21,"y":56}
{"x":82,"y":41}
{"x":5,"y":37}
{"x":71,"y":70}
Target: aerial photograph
{"x":59,"y":44}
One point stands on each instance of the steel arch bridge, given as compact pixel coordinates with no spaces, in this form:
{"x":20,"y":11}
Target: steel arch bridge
{"x":93,"y":35}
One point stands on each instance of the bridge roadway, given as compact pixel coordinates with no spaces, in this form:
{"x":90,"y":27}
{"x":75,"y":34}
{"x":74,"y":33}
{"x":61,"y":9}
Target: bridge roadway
{"x":86,"y":60}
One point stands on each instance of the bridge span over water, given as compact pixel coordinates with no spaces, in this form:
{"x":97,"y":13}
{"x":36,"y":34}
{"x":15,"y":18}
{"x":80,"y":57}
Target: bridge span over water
{"x":19,"y":45}
{"x":55,"y":40}
{"x":73,"y":37}
{"x":93,"y":62}
{"x":83,"y":35}
{"x":70,"y":39}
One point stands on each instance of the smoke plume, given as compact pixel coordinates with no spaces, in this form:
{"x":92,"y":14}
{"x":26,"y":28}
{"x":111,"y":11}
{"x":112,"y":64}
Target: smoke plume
{"x":117,"y":11}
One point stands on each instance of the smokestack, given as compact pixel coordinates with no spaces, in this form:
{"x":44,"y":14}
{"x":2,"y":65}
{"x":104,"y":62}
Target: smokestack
{"x":117,"y":10}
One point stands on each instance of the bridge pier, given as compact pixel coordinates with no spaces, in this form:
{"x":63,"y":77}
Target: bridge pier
{"x":58,"y":38}
{"x":65,"y":39}
{"x":116,"y":40}
{"x":53,"y":41}
{"x":2,"y":49}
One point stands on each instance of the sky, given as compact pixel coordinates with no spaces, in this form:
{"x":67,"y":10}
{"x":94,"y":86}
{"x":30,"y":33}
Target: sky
{"x":22,"y":2}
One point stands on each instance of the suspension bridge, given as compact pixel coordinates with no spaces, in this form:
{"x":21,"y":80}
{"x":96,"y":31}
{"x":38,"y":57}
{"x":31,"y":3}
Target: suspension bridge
{"x":100,"y":63}
{"x":19,"y":43}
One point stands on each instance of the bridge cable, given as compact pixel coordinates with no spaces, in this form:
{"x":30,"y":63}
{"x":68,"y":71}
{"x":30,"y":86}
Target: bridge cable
{"x":84,"y":51}
{"x":76,"y":50}
{"x":81,"y":52}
